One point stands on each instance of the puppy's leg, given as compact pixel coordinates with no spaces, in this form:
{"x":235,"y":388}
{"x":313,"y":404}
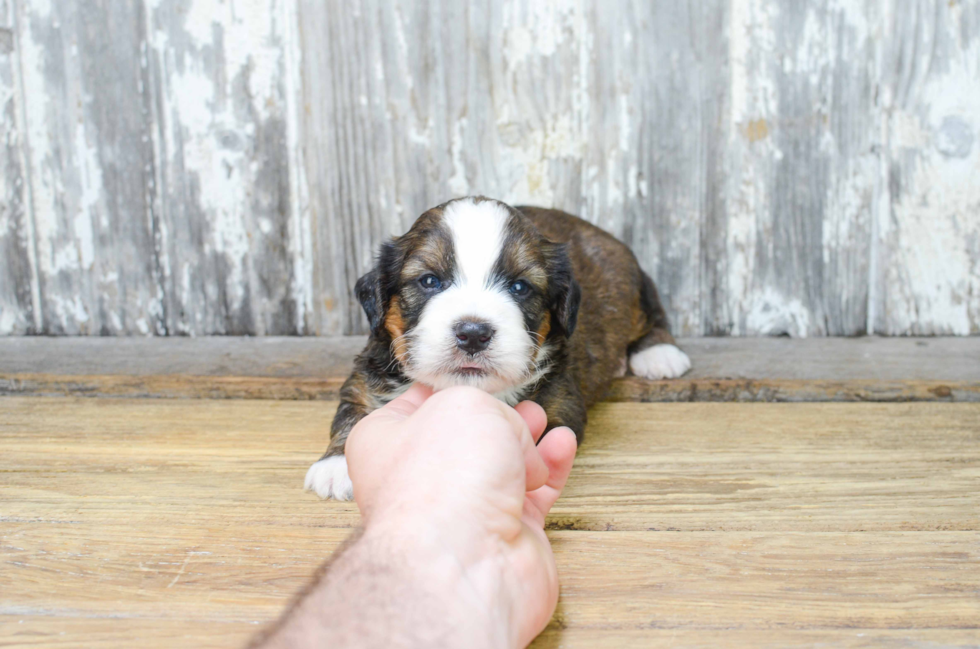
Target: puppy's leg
{"x":563,"y":404}
{"x":328,"y":477}
{"x":655,"y":355}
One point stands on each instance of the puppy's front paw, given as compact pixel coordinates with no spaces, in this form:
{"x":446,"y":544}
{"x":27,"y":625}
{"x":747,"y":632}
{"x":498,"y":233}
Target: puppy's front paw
{"x":328,"y":479}
{"x":660,"y":362}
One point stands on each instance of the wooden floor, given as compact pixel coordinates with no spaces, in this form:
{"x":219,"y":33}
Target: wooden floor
{"x":691,"y":524}
{"x":182,"y":523}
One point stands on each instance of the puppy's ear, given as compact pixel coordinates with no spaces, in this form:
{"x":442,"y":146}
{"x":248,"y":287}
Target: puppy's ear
{"x":567,"y":311}
{"x":368,"y":292}
{"x":565,"y":293}
{"x":374,"y":290}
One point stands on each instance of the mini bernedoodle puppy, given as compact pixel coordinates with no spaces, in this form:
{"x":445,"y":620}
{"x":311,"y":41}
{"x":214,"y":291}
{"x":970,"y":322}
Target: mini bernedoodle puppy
{"x":524,"y":303}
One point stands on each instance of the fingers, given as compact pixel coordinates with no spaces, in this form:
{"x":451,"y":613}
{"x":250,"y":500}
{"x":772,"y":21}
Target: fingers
{"x":557,"y":451}
{"x":536,"y":470}
{"x":534,"y":416}
{"x":528,"y":432}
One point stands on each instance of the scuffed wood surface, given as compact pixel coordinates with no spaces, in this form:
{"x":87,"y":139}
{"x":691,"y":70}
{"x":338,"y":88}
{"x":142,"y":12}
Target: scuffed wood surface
{"x":884,"y":359}
{"x":86,"y":128}
{"x":927,"y":277}
{"x":166,"y":522}
{"x":801,"y":168}
{"x":725,"y":369}
{"x":232,"y":249}
{"x":39,"y":633}
{"x":159,"y":169}
{"x":17,"y":268}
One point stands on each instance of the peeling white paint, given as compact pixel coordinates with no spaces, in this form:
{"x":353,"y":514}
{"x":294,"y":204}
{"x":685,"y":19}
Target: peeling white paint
{"x":37,"y":103}
{"x":932,"y":277}
{"x":772,"y":314}
{"x":537,"y":27}
{"x":752,"y":43}
{"x":301,"y":220}
{"x":90,"y":195}
{"x":205,"y":120}
{"x":9,"y":321}
{"x":530,"y":146}
{"x":458,"y":183}
{"x":555,"y":122}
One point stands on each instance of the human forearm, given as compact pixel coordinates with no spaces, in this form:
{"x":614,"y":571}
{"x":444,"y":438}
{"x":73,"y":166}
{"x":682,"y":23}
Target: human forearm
{"x":387,"y":587}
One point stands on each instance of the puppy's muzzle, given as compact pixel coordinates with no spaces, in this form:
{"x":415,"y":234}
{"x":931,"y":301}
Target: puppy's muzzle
{"x":473,"y":337}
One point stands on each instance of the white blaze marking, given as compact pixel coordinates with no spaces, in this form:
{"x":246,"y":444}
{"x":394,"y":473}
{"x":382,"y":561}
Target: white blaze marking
{"x":478,"y":237}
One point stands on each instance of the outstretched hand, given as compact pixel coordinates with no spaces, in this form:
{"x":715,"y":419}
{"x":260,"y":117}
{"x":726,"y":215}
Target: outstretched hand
{"x":461,"y":472}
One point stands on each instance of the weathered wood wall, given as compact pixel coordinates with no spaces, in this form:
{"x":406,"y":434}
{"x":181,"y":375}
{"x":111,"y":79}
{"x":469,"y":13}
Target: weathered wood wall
{"x":217,"y":167}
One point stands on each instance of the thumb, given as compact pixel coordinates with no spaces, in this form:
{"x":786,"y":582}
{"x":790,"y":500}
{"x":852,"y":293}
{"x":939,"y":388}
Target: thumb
{"x":405,"y":405}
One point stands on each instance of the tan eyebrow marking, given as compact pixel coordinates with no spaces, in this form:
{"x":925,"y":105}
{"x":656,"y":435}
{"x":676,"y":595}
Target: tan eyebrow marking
{"x":431,"y":256}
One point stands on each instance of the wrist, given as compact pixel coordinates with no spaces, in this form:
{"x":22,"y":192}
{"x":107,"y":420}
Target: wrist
{"x":463,"y":572}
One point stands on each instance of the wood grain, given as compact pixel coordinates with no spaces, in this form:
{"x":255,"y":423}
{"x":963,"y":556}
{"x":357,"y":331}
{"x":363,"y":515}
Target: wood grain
{"x":231,"y":241}
{"x":801,"y":168}
{"x":930,"y":110}
{"x":812,"y":359}
{"x":161,"y":170}
{"x":766,"y":370}
{"x":18,"y":272}
{"x":85,"y":134}
{"x":163,"y":522}
{"x":183,"y":386}
{"x":61,"y":632}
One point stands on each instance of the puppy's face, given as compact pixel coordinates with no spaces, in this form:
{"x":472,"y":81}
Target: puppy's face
{"x":471,"y":295}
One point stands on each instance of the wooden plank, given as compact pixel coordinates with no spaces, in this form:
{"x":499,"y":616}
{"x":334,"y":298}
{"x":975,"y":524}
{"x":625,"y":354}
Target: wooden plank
{"x":764,"y":639}
{"x":18,"y":272}
{"x":232,"y":242}
{"x":652,"y":133}
{"x":692,"y":467}
{"x":799,"y":467}
{"x":813,"y":359}
{"x":769,"y":370}
{"x":802,"y":170}
{"x":618,"y":581}
{"x":63,"y":632}
{"x":927,"y":280}
{"x":60,"y":632}
{"x":183,"y":522}
{"x":161,"y":169}
{"x":182,"y":386}
{"x":90,"y":167}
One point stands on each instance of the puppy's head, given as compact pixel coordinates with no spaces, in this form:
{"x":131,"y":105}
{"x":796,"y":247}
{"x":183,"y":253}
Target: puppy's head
{"x":471,"y":295}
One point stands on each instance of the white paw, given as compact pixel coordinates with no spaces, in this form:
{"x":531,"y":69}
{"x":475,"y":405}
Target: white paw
{"x":329,"y":479}
{"x":660,"y":362}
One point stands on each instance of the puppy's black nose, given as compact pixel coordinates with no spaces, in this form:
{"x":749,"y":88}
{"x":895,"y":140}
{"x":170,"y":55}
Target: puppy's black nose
{"x":473,"y":337}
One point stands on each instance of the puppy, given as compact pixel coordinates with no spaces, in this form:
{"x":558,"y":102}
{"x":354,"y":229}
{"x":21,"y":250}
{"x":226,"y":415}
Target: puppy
{"x":524,"y":303}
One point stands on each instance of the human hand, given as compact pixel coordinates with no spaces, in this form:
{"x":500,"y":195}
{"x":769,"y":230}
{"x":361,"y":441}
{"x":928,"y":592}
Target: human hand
{"x":457,"y":478}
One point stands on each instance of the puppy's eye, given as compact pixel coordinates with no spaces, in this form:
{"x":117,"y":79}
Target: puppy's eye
{"x":520,"y":288}
{"x":430,"y":283}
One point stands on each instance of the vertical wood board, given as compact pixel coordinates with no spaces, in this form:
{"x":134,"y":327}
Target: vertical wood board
{"x":230,"y":247}
{"x":928,"y":224}
{"x":17,"y":269}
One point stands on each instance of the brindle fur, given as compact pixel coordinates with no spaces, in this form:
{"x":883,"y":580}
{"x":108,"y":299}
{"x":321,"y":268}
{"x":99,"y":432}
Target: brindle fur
{"x":619,"y":313}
